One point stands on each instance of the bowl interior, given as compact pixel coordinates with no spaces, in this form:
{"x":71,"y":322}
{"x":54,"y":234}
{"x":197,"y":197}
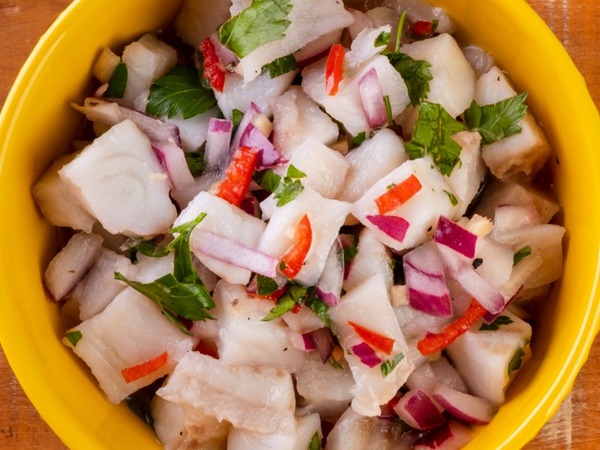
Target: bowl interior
{"x":37,"y":123}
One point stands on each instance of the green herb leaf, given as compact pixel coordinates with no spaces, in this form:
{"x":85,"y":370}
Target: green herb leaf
{"x":319,"y":307}
{"x":497,"y":121}
{"x":262,"y":22}
{"x":236,"y":117}
{"x":300,"y":295}
{"x":266,"y":285}
{"x":74,"y":337}
{"x":195,"y":162}
{"x":516,"y":361}
{"x":383,"y":38}
{"x":415,"y":73}
{"x":355,"y":141}
{"x":388,"y":366}
{"x":179,"y":92}
{"x":433,"y":136}
{"x":350,"y":253}
{"x":145,"y":247}
{"x":315,"y":442}
{"x":117,"y":82}
{"x":388,"y":109}
{"x":290,"y":187}
{"x":281,"y":66}
{"x":452,"y":198}
{"x":184,"y":266}
{"x":496,"y":324}
{"x":522,"y":253}
{"x":268,"y":180}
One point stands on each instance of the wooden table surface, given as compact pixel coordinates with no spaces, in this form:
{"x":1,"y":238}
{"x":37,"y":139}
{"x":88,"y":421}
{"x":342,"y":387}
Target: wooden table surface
{"x":575,"y":22}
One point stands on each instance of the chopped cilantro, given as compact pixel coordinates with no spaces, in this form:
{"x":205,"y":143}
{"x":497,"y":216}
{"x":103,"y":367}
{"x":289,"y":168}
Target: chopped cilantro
{"x":522,"y":253}
{"x":388,"y":109}
{"x":516,"y":361}
{"x":262,"y":22}
{"x":195,"y":162}
{"x":415,"y":73}
{"x":497,"y":121}
{"x":179,"y":92}
{"x":496,"y":324}
{"x":74,"y":337}
{"x":383,"y":38}
{"x":349,"y":253}
{"x":281,"y":66}
{"x":315,"y":442}
{"x":236,"y":117}
{"x":300,"y":295}
{"x":452,"y":198}
{"x":266,"y":285}
{"x":117,"y":82}
{"x":289,"y":188}
{"x":268,"y":180}
{"x":150,"y":248}
{"x":433,"y":136}
{"x":358,"y":139}
{"x":388,"y":366}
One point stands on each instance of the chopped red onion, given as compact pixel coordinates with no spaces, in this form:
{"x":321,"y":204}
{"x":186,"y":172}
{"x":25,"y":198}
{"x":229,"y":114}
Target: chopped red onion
{"x":309,"y":343}
{"x":218,"y":140}
{"x":329,"y":286}
{"x":394,"y":226}
{"x":366,"y":354}
{"x":463,"y":272}
{"x":426,"y":281}
{"x":463,"y":406}
{"x":452,"y":235}
{"x":371,"y":96}
{"x":419,"y":411}
{"x":251,"y":206}
{"x":228,"y":58}
{"x":232,"y":252}
{"x":249,"y":117}
{"x":324,"y":343}
{"x":253,"y":137}
{"x":172,"y":158}
{"x":450,"y":436}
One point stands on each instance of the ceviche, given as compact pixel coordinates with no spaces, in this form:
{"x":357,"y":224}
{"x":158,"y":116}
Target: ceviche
{"x":303,"y":224}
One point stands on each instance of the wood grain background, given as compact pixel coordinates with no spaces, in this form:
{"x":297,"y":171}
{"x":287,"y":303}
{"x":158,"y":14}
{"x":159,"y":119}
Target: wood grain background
{"x":575,"y":23}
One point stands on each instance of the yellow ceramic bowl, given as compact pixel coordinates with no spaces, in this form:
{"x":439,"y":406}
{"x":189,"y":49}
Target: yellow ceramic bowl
{"x":37,"y":123}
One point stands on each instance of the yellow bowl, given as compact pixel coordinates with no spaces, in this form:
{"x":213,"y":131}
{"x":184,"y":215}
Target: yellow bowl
{"x":37,"y":123}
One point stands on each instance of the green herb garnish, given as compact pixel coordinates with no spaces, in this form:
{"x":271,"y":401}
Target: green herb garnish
{"x":522,"y":253}
{"x":195,"y":162}
{"x":290,"y":187}
{"x":179,"y":92}
{"x":265,"y":285}
{"x":262,"y":22}
{"x":516,"y":361}
{"x":497,"y":121}
{"x":315,"y":442}
{"x":452,"y":198}
{"x":300,"y":295}
{"x":281,"y":66}
{"x":388,"y":366}
{"x":496,"y":324}
{"x":74,"y":337}
{"x":117,"y":82}
{"x":433,"y":136}
{"x":415,"y":73}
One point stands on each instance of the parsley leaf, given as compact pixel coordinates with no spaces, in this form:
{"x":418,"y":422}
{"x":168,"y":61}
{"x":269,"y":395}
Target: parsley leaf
{"x":496,"y":324}
{"x":383,"y":38}
{"x":266,"y":285}
{"x":268,"y":180}
{"x":357,"y":140}
{"x":74,"y":337}
{"x":236,"y":117}
{"x":415,"y":73}
{"x":522,"y":253}
{"x":281,"y":66}
{"x":290,"y":187}
{"x":117,"y":82}
{"x":515,"y":362}
{"x":497,"y":121}
{"x":179,"y":92}
{"x":451,"y":197}
{"x":433,"y":136}
{"x":315,"y":442}
{"x":388,"y":366}
{"x":262,"y":22}
{"x":195,"y":162}
{"x":300,"y":295}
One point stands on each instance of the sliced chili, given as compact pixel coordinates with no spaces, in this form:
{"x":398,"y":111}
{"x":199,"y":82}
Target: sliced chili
{"x":133,"y":373}
{"x":334,"y":69}
{"x":374,"y":339}
{"x":293,"y":259}
{"x":238,"y":176}
{"x":398,"y":194}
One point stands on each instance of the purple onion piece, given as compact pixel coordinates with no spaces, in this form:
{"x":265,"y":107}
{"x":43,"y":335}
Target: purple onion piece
{"x":324,"y":343}
{"x":418,"y":410}
{"x":371,"y":96}
{"x":309,"y":343}
{"x":452,"y":235}
{"x":366,"y":354}
{"x":394,"y":226}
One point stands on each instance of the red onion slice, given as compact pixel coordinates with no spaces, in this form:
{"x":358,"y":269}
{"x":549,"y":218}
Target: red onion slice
{"x":463,"y":406}
{"x":419,"y":411}
{"x":249,"y":117}
{"x":371,"y":96}
{"x":329,"y":286}
{"x":228,"y":58}
{"x":309,"y":343}
{"x":366,"y":354}
{"x":324,"y":343}
{"x":231,"y":252}
{"x":395,"y":227}
{"x":253,"y":137}
{"x":426,"y":281}
{"x":456,"y":237}
{"x":218,"y":140}
{"x":463,"y":272}
{"x":450,"y":436}
{"x":172,"y":158}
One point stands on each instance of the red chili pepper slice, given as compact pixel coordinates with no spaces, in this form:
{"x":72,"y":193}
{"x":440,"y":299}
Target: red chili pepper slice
{"x":334,"y":69}
{"x":293,"y":259}
{"x":398,"y":194}
{"x":422,"y":28}
{"x":238,"y":176}
{"x":374,"y":339}
{"x":133,"y":373}
{"x":434,"y":342}
{"x":213,"y":68}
